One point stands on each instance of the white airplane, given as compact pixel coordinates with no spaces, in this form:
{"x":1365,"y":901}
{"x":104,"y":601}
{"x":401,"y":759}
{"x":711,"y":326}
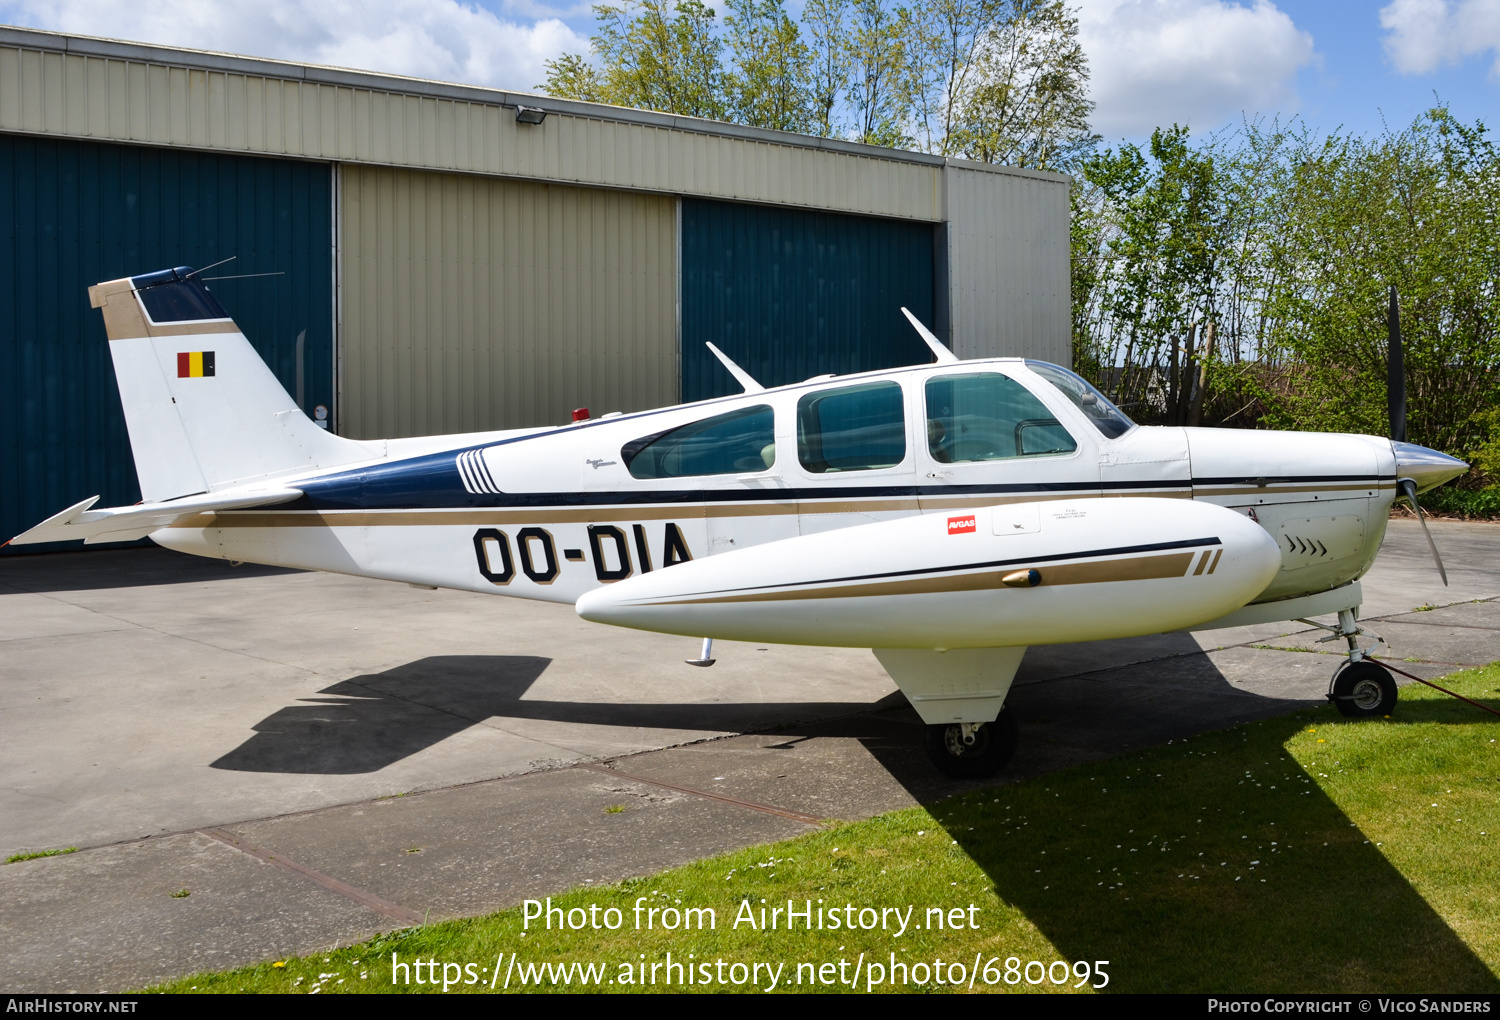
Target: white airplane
{"x":946,"y":515}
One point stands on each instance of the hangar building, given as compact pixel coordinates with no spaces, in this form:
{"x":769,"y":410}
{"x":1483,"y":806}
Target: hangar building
{"x":421,"y":257}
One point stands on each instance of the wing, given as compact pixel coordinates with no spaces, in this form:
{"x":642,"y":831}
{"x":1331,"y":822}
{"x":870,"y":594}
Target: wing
{"x":1017,"y":574}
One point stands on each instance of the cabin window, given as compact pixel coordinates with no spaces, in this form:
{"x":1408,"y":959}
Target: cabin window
{"x":1106,"y":417}
{"x":988,"y":416}
{"x":856,"y":428}
{"x":739,"y":442}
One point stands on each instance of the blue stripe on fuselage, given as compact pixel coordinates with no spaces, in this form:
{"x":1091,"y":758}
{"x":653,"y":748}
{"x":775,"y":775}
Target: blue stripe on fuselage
{"x":431,"y":480}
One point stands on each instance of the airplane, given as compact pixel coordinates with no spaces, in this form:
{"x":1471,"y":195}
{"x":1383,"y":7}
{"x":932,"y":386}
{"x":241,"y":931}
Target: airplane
{"x":946,"y":515}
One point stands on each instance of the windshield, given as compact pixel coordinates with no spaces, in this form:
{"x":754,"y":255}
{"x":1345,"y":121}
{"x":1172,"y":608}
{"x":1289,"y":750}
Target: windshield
{"x":1107,"y":418}
{"x":988,"y":416}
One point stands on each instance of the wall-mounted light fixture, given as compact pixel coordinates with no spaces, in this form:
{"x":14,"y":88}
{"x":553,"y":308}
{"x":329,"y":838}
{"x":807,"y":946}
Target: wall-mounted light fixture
{"x":530,"y":115}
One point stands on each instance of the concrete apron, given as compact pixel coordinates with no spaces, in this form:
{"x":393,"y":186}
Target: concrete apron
{"x":408,"y":754}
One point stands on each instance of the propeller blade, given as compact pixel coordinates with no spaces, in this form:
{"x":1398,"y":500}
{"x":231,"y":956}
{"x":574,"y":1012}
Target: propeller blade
{"x":1395,"y":367}
{"x":1409,"y":490}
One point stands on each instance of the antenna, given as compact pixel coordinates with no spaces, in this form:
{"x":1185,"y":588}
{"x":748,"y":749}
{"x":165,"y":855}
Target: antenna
{"x":746,"y":381}
{"x":205,"y":269}
{"x":944,"y":355}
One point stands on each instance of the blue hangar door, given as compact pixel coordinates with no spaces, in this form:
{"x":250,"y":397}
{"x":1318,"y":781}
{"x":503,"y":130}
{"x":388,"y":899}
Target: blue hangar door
{"x":790,"y":294}
{"x":75,"y":213}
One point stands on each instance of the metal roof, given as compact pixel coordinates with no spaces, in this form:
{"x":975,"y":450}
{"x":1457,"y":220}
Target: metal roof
{"x":92,"y":46}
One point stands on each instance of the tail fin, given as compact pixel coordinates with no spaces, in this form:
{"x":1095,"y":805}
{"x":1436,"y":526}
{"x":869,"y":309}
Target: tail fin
{"x":203,"y":410}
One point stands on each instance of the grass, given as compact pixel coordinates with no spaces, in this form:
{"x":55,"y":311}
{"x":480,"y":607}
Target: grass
{"x":1305,"y":853}
{"x":13,"y":858}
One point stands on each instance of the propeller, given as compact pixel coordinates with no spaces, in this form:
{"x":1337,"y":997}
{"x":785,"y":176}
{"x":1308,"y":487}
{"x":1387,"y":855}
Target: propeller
{"x":1395,"y":398}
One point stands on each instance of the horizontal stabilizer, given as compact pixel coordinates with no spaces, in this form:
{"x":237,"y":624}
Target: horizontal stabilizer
{"x":125,"y":523}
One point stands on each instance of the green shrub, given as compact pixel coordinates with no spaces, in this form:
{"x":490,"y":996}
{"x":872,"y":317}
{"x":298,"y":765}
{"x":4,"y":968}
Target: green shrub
{"x":1470,"y":504}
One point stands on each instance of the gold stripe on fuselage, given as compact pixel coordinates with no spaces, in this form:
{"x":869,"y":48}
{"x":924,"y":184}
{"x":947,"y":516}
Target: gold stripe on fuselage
{"x":1138,"y":568}
{"x":1302,"y":488}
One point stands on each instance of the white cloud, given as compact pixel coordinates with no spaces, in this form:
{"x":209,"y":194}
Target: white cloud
{"x":1194,"y":62}
{"x":1422,"y":35}
{"x":440,"y":39}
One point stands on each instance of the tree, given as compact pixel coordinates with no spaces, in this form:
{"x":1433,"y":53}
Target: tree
{"x":1287,"y":246}
{"x":651,"y":59}
{"x":828,"y":61}
{"x":878,"y":65}
{"x":993,"y":80}
{"x":1417,"y":210}
{"x":571,"y":76}
{"x":1152,"y":247}
{"x":770,"y":84}
{"x":1021,"y":95}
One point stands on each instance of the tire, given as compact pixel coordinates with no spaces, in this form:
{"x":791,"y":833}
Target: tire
{"x":1364,"y":690}
{"x":994,"y":745}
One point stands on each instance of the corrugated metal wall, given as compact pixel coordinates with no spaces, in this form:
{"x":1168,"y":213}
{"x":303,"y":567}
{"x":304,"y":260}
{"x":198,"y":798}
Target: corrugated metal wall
{"x":258,"y":107}
{"x":476,"y":303}
{"x":1009,"y":264}
{"x":75,"y":213}
{"x":791,"y":294}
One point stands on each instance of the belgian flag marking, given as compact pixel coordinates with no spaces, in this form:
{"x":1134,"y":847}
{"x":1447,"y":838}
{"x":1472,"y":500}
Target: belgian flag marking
{"x":195,"y":364}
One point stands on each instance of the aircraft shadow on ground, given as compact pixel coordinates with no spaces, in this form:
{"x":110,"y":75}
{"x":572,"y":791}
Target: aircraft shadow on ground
{"x":368,"y":722}
{"x":90,"y":570}
{"x":365,"y":723}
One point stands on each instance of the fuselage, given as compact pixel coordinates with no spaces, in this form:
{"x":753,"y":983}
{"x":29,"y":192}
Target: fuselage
{"x":551,"y":514}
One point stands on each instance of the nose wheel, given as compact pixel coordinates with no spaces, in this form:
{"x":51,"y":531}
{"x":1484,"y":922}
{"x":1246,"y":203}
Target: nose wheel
{"x":1364,"y":690}
{"x":973,"y":751}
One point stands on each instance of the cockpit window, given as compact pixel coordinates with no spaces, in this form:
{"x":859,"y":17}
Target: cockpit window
{"x":739,"y":442}
{"x":988,"y":416}
{"x":1107,"y":418}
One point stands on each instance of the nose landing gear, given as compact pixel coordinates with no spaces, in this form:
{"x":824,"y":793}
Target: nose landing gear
{"x":1361,"y":688}
{"x":973,"y":750}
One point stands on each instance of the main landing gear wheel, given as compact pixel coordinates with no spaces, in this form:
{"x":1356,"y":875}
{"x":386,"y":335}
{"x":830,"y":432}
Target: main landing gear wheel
{"x":988,"y":751}
{"x":1364,"y":690}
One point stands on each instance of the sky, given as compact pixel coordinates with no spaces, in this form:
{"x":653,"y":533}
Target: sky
{"x":1203,"y":63}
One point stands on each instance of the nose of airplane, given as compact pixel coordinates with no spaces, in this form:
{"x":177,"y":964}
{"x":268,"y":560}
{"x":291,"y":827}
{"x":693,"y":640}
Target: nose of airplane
{"x":1428,"y":468}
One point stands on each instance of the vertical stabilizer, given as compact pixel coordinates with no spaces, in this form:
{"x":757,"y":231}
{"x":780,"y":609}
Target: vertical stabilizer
{"x":204,"y":411}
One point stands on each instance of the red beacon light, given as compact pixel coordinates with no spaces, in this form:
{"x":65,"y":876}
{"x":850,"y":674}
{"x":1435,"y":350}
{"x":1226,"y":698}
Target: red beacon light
{"x":580,"y":414}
